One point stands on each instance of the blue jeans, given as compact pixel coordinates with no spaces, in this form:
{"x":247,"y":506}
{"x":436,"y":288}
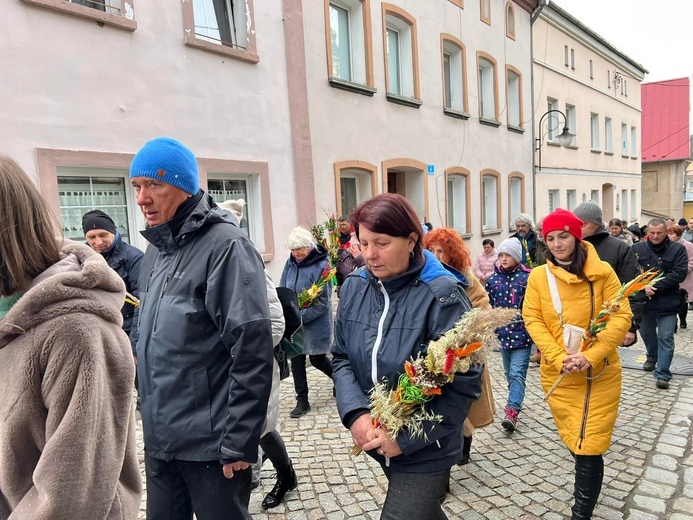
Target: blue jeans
{"x":658,"y":335}
{"x":515,"y":365}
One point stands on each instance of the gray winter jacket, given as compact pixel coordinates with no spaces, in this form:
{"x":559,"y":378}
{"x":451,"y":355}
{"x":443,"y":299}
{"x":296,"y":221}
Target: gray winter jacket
{"x":204,"y":340}
{"x":317,"y":319}
{"x":389,"y":322}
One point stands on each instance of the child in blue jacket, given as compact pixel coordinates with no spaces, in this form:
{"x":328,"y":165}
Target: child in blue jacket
{"x":506,"y":288}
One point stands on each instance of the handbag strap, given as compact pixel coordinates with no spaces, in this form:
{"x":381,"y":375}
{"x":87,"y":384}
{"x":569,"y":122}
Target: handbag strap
{"x":555,"y":297}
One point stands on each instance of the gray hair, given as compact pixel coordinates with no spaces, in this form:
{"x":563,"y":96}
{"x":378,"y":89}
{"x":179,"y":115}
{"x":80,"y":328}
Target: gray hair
{"x":655,"y":222}
{"x":524,"y":217}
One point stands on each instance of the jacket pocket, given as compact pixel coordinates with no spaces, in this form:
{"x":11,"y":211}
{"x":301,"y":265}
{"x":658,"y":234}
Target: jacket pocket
{"x":202,"y":422}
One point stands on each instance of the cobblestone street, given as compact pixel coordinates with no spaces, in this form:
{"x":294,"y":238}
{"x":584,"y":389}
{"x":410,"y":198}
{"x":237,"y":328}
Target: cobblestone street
{"x":527,"y":474}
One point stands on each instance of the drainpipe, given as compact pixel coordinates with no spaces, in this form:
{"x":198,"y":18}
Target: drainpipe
{"x":534,"y":16}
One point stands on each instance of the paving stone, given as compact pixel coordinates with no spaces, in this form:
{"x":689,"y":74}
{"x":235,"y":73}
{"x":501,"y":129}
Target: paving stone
{"x":634,"y":514}
{"x":680,"y":516}
{"x":683,"y":504}
{"x":664,"y":462}
{"x":660,"y":475}
{"x":656,"y":505}
{"x":656,"y":489}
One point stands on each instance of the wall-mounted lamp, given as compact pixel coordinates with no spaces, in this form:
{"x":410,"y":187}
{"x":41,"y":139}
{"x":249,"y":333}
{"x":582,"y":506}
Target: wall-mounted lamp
{"x":565,"y":138}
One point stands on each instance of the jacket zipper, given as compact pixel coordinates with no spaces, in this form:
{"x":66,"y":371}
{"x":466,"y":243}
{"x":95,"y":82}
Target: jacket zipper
{"x":376,"y":345}
{"x":586,"y":409}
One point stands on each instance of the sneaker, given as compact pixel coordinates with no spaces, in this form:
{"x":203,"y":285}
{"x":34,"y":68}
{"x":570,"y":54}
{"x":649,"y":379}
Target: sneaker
{"x":510,"y":419}
{"x":649,"y":366}
{"x":302,"y":408}
{"x":661,"y":383}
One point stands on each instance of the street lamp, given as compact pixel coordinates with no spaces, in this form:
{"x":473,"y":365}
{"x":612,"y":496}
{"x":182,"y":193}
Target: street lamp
{"x":565,"y":138}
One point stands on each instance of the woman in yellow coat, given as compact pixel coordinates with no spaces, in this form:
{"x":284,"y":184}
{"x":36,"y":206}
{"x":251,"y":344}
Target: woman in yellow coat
{"x":585,"y":403}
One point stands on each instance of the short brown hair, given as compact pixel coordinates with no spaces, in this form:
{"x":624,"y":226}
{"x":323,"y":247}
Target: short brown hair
{"x":28,"y":243}
{"x":673,"y":228}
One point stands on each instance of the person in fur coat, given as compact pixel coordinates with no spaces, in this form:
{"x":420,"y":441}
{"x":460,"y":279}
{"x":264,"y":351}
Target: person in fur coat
{"x":584,"y":404}
{"x":67,"y":418}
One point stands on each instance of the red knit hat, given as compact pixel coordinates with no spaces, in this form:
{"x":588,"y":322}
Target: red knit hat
{"x":563,"y":220}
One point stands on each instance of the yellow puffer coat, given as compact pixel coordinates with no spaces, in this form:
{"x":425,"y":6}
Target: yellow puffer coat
{"x":584,"y":410}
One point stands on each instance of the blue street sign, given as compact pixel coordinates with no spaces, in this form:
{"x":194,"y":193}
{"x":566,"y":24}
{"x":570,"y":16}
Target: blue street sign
{"x":431,"y":169}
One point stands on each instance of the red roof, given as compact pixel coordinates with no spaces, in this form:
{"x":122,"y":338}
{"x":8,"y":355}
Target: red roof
{"x":665,"y":120}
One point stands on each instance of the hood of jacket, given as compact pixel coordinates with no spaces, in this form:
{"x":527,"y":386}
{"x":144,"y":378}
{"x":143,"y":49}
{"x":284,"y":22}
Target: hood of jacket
{"x":80,"y":281}
{"x":594,"y":267}
{"x":204,"y":213}
{"x":317,"y":254}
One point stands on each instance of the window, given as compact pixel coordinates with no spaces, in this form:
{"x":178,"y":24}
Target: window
{"x":510,"y":21}
{"x":402,"y":75}
{"x":221,"y":26}
{"x":624,"y":140}
{"x":608,"y":78}
{"x":81,"y":190}
{"x":633,"y":142}
{"x":633,"y":204}
{"x":485,"y":7}
{"x":594,"y":131}
{"x":458,"y":199}
{"x":354,"y":182}
{"x":618,"y":202}
{"x":349,"y":45}
{"x":454,"y":74}
{"x":490,"y":193}
{"x":594,"y":195}
{"x":554,"y":200}
{"x":608,"y":136}
{"x":572,"y":59}
{"x":116,"y":13}
{"x":624,"y":208}
{"x":514,"y":97}
{"x":516,"y":192}
{"x":571,"y":199}
{"x":625,"y":87}
{"x":566,"y":52}
{"x":488,"y":101}
{"x":225,"y":189}
{"x":552,"y":122}
{"x":591,"y":70}
{"x":571,"y":121}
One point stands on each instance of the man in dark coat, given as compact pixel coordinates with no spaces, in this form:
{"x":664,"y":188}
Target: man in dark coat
{"x":662,"y":305}
{"x":103,"y":237}
{"x":616,"y":253}
{"x":526,"y":234}
{"x":204,"y":343}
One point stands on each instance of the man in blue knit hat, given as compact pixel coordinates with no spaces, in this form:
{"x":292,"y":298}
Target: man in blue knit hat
{"x":204,"y":343}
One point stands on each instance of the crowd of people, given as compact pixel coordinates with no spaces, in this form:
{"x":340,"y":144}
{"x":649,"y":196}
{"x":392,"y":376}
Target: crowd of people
{"x":198,"y":326}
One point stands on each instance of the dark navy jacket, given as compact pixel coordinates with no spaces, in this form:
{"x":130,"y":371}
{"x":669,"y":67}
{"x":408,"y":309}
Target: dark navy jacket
{"x":670,"y":259}
{"x":204,"y":340}
{"x":506,"y":289}
{"x":125,"y":260}
{"x":379,"y":326}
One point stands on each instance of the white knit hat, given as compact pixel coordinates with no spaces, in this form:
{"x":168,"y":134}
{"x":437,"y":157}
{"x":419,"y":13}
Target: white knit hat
{"x":233,"y":206}
{"x":298,"y":238}
{"x":512,"y":247}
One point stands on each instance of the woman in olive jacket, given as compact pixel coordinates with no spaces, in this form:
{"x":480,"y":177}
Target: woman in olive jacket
{"x":585,"y":403}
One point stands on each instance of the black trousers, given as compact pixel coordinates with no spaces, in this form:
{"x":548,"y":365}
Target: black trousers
{"x":274,"y":448}
{"x":415,"y":496}
{"x":298,"y":369}
{"x":177,"y":488}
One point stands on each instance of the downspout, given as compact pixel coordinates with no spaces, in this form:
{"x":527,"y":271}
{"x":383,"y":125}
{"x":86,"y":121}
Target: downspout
{"x":534,"y":16}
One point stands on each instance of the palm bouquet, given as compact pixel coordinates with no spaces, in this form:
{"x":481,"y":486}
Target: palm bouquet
{"x":424,"y":377}
{"x":609,"y":308}
{"x":308,"y":297}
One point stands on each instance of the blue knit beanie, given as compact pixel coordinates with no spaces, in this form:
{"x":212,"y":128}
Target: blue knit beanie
{"x":169,"y":161}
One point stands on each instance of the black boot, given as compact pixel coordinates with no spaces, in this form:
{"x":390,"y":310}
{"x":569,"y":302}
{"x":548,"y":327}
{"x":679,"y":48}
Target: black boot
{"x":589,"y":473}
{"x":302,"y":408}
{"x":466,"y":446}
{"x":286,"y":481}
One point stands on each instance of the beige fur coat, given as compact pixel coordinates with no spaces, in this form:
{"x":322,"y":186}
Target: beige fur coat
{"x":67,"y":424}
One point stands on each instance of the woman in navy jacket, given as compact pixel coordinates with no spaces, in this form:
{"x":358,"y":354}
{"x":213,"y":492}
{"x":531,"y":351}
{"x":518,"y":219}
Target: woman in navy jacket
{"x":388,"y":312}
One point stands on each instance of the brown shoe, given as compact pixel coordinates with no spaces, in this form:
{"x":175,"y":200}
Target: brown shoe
{"x":535,"y":358}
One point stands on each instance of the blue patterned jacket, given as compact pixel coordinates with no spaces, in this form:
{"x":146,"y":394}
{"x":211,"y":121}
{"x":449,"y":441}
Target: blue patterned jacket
{"x":506,"y":289}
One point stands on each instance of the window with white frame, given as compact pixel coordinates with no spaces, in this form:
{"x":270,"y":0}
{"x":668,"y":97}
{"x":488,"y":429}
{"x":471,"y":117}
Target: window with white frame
{"x":487,"y":89}
{"x":552,"y":121}
{"x":348,"y":41}
{"x":594,"y":131}
{"x":633,"y":204}
{"x":355,"y":187}
{"x":400,"y":62}
{"x":571,"y":118}
{"x":514,"y":99}
{"x":624,"y":207}
{"x":571,"y":199}
{"x":516,"y":190}
{"x":457,"y":203}
{"x":222,"y":22}
{"x":453,"y":76}
{"x":608,"y":135}
{"x":624,"y":139}
{"x":633,"y":142}
{"x":489,"y":186}
{"x":554,"y":200}
{"x":225,"y":186}
{"x":83,"y":189}
{"x":594,"y":195}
